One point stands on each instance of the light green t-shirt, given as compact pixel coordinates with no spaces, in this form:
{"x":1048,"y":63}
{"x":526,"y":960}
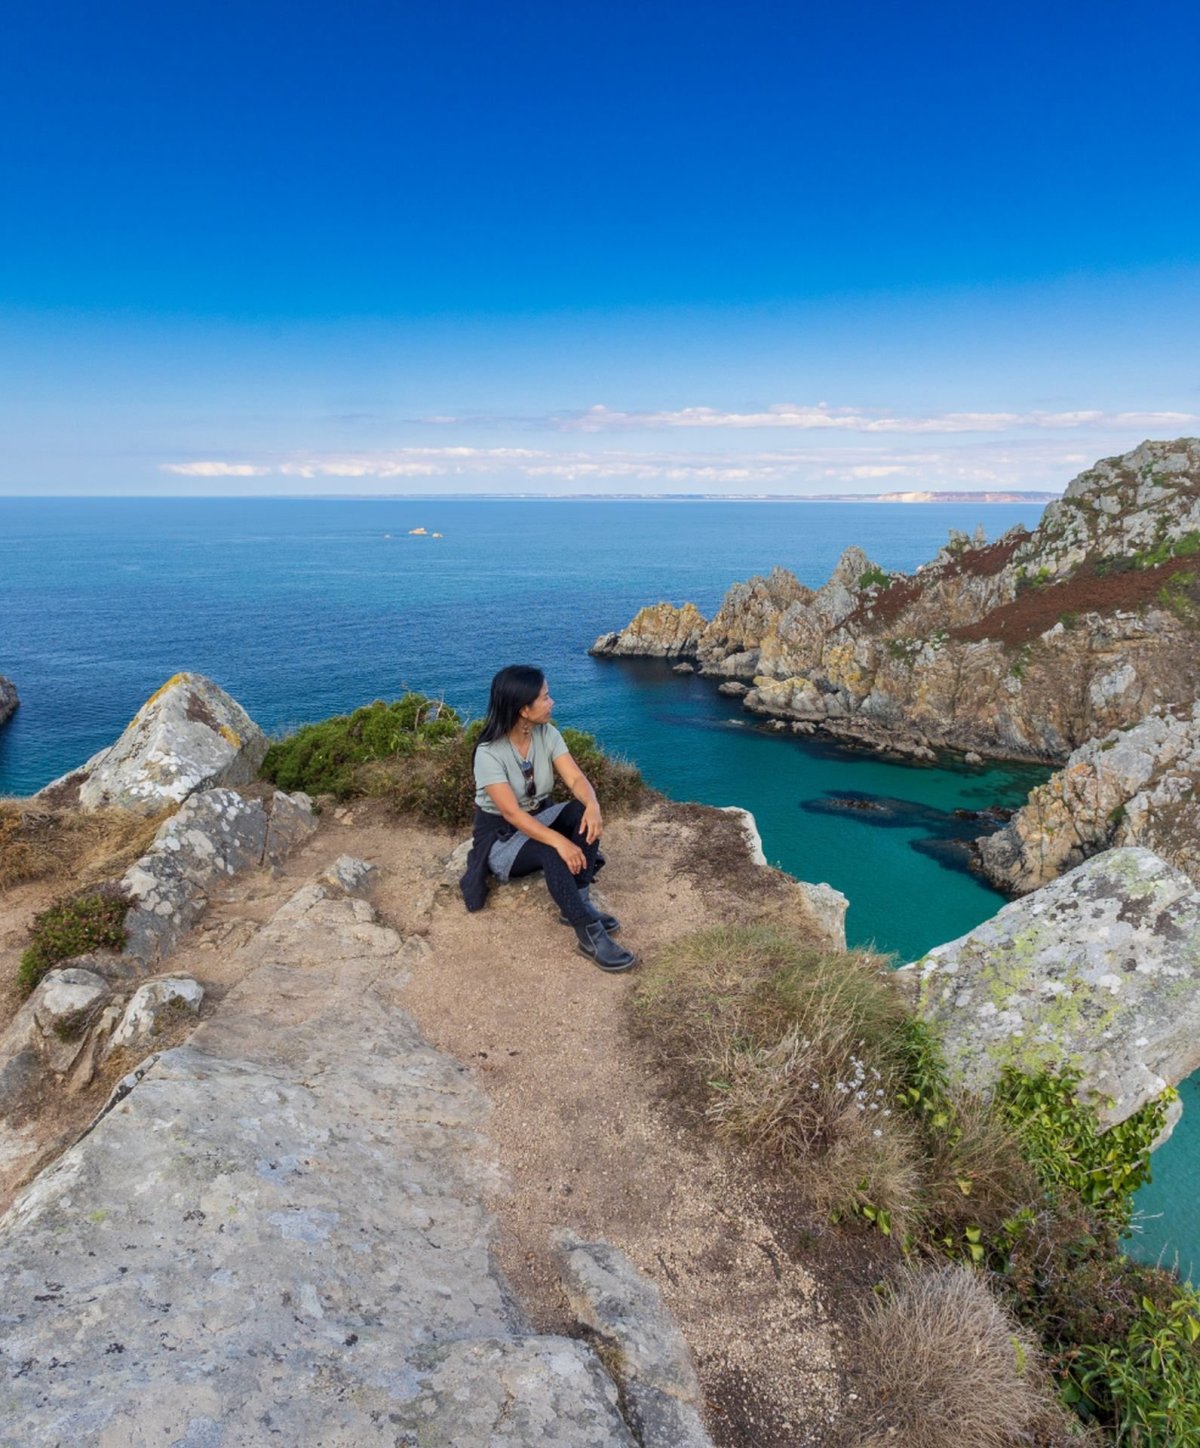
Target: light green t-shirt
{"x":497,"y":762}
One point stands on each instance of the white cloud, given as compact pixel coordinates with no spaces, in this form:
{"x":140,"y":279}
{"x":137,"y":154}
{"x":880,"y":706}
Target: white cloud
{"x":822,"y":417}
{"x":216,"y":470}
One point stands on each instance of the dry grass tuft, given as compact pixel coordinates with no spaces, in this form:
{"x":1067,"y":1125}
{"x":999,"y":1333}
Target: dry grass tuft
{"x":797,"y":1052}
{"x":949,"y":1365}
{"x":39,"y":843}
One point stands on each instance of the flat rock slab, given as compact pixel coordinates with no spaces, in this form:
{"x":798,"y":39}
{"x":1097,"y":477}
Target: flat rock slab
{"x":278,"y":1235}
{"x":1099,"y":970}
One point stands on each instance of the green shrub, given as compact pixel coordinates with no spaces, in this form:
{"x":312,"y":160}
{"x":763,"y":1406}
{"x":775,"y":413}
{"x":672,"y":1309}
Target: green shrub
{"x":75,"y":926}
{"x":324,"y":758}
{"x":874,"y":578}
{"x":1063,"y":1140}
{"x":618,"y":784}
{"x":1187,"y":546}
{"x":435,"y":783}
{"x":416,"y":754}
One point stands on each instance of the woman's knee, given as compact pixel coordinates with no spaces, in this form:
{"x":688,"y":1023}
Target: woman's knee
{"x":569,"y":818}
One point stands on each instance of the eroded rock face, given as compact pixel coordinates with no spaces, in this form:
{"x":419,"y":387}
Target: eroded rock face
{"x":660,"y":631}
{"x":190,"y":735}
{"x":8,"y":699}
{"x":215,"y":834}
{"x":1023,"y":648}
{"x":1099,"y":970}
{"x":1137,"y":787}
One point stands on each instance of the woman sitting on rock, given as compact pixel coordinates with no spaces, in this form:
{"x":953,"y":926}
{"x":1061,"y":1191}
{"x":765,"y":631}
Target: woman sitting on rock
{"x":518,"y":829}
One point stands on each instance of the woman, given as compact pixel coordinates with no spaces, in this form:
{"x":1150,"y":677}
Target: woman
{"x":518,"y":829}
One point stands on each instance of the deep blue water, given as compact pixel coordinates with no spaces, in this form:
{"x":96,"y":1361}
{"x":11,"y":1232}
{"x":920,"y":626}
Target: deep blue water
{"x":303,"y":609}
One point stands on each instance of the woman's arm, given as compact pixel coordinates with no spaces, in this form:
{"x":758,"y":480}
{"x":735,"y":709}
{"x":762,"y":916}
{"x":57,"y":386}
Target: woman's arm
{"x":581,"y":787}
{"x":505,"y":800}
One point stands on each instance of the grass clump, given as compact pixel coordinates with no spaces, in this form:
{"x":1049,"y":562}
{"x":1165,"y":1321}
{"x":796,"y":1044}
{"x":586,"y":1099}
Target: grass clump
{"x":810,"y":1061}
{"x":797,"y":1052}
{"x":949,"y":1365}
{"x":78,"y":925}
{"x":416,"y":754}
{"x":40,"y":843}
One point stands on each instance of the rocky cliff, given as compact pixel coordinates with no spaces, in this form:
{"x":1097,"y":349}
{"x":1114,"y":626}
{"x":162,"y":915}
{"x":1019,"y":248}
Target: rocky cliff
{"x":8,"y":699}
{"x":1140,"y":786}
{"x":1098,"y":971}
{"x":1024,"y":647}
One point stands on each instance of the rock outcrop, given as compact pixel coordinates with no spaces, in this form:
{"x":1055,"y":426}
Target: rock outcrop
{"x":1098,"y":971}
{"x":659,"y":631}
{"x":1023,"y":648}
{"x":217,"y":833}
{"x":278,"y":1230}
{"x":8,"y":699}
{"x":1137,"y":787}
{"x":188,"y":736}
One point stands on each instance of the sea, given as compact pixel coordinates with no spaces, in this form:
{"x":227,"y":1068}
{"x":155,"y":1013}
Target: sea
{"x":303,"y":608}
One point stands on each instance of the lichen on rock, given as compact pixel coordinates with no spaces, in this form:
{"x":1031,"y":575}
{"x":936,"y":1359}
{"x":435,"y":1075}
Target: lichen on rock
{"x":189,"y":735}
{"x":1098,"y":971}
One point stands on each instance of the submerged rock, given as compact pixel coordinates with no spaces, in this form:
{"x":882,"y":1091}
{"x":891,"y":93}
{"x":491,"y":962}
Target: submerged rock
{"x":1137,"y":787}
{"x":8,"y":699}
{"x":190,"y":735}
{"x":1098,"y":971}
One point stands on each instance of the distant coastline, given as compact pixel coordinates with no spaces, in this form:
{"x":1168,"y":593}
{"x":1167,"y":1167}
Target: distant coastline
{"x":916,"y":496}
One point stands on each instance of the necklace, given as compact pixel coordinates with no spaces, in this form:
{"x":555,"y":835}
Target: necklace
{"x":526,"y":743}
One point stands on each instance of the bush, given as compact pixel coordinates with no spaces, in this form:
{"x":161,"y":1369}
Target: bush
{"x":416,"y":754}
{"x":76,"y":926}
{"x":618,"y":784}
{"x":796,"y":1052}
{"x":947,"y":1363}
{"x":1063,"y":1140}
{"x":810,"y":1061}
{"x":324,"y":758}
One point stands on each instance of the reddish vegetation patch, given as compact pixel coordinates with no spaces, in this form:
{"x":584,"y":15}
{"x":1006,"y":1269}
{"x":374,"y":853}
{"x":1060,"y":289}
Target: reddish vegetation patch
{"x":1036,"y":609}
{"x":985,"y":562}
{"x":887,"y":605}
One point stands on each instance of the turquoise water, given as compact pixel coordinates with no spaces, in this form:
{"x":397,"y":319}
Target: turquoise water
{"x":306,"y":608}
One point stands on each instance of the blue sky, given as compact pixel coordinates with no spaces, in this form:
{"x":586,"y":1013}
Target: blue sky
{"x":255,"y":248}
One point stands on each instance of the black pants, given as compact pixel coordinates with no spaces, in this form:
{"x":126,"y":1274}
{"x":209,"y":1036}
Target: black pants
{"x":563,"y":886}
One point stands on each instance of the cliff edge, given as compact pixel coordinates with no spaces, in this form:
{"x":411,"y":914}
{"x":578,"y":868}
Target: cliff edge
{"x":1021,"y":648}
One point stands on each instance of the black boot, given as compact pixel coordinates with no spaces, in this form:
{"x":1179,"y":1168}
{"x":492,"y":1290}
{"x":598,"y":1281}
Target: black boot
{"x":595,"y":942}
{"x":610,"y":922}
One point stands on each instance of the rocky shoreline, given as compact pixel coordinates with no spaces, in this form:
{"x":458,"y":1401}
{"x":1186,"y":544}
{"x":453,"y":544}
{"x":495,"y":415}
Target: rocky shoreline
{"x":8,"y":700}
{"x":1024,"y":648}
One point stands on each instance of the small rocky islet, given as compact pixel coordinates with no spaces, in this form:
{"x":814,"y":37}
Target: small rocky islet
{"x":1074,"y":645}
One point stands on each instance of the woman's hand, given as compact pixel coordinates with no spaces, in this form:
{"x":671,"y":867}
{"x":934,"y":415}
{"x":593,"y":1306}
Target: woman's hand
{"x":570,"y":854}
{"x":592,"y":823}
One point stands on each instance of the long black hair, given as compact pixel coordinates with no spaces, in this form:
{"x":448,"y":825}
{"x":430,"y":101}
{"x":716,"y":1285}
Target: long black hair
{"x":513,"y":689}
